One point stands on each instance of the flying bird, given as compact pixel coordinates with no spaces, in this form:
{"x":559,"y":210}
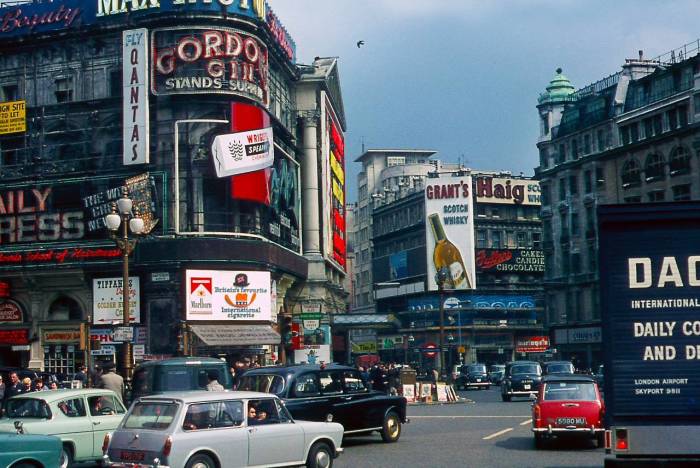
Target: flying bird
{"x":360,"y":44}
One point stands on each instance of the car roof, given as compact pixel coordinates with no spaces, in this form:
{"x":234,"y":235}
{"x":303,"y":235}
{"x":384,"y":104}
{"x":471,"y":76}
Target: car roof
{"x":183,"y":360}
{"x":295,"y":369}
{"x":62,"y":394}
{"x":512,"y":363}
{"x":203,"y":395}
{"x":567,"y":378}
{"x":557,"y":362}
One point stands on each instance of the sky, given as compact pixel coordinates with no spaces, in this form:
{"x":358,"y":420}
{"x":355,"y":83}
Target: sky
{"x":462,"y":77}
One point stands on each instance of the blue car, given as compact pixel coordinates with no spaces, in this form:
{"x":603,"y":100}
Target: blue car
{"x":29,"y":451}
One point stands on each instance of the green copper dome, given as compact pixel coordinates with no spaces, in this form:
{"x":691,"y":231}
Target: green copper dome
{"x":558,"y":90}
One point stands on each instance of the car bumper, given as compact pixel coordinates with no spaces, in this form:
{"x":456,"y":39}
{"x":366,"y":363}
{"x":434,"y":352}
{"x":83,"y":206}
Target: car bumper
{"x":478,"y":384}
{"x":568,"y":430}
{"x":107,"y":462}
{"x":338,"y":451}
{"x":521,"y":392}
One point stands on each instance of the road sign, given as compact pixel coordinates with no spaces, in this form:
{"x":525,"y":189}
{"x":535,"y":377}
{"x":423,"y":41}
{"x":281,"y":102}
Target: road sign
{"x":104,"y":351}
{"x":430,"y":350}
{"x":123,"y":334}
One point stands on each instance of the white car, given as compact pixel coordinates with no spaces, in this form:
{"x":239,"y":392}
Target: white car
{"x":209,"y":429}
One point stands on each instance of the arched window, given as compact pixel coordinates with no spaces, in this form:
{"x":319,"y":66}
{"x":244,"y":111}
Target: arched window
{"x":654,"y":167}
{"x":65,"y":308}
{"x":631,"y":174}
{"x":680,"y":161}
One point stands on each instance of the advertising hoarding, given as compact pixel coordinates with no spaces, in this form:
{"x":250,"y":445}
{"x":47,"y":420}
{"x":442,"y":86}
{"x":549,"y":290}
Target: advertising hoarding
{"x":108,"y":297}
{"x":510,"y":260}
{"x":228,"y":295}
{"x":531,"y":344}
{"x":507,"y":191}
{"x":13,"y":117}
{"x":333,"y":175}
{"x":238,"y":153}
{"x":192,"y":60}
{"x":450,"y":232}
{"x":135,"y":96}
{"x":313,"y":354}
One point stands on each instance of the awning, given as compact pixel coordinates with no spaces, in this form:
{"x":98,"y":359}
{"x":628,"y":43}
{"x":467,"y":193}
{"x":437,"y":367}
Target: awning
{"x":232,"y":335}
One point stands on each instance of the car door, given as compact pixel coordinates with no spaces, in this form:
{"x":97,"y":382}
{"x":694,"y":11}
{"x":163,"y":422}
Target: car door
{"x":305,"y":401}
{"x":276,"y":439}
{"x":105,"y":412}
{"x":332,"y":388}
{"x":74,"y":425}
{"x":355,"y":406}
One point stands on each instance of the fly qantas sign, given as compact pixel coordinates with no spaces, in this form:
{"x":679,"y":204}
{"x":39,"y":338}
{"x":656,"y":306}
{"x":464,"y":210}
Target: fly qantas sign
{"x":643,"y":274}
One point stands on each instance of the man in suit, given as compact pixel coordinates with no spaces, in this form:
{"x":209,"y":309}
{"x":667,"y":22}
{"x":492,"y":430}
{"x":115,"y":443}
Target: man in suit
{"x":15,"y":387}
{"x":110,"y":380}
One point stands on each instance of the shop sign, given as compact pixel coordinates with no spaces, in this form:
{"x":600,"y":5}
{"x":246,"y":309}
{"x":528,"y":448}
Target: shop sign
{"x":14,"y":337}
{"x":21,"y":347}
{"x":106,"y":335}
{"x":123,"y":334}
{"x":449,"y":233}
{"x":10,"y":312}
{"x":281,"y":36}
{"x":473,"y":301}
{"x":391,"y":342}
{"x":507,"y":191}
{"x":160,"y":277}
{"x":584,"y":335}
{"x":238,"y":153}
{"x":532,"y":344}
{"x":235,"y":335}
{"x":104,"y":351}
{"x":107,"y":300}
{"x":228,"y":295}
{"x":191,"y":60}
{"x":510,"y":260}
{"x":135,"y":96}
{"x":139,"y":351}
{"x":60,"y":336}
{"x":367,"y":347}
{"x":313,"y":354}
{"x":13,"y":118}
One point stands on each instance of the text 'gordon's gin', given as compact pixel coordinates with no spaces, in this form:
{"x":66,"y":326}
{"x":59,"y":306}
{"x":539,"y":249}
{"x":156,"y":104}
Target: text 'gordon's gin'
{"x":446,"y":255}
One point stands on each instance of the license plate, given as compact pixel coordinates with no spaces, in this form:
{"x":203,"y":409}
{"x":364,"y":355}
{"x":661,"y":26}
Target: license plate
{"x":526,"y":386}
{"x":478,"y":380}
{"x":132,"y":456}
{"x":571,"y":421}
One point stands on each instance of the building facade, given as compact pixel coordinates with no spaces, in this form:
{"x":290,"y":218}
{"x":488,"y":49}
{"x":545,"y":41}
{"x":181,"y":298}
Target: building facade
{"x":501,"y":316}
{"x":628,"y":138}
{"x":107,"y":96}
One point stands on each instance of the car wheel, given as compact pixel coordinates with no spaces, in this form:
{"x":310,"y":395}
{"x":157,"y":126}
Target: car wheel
{"x":539,"y":441}
{"x":200,"y":460}
{"x":391,"y":429}
{"x":320,"y":456}
{"x":66,"y":460}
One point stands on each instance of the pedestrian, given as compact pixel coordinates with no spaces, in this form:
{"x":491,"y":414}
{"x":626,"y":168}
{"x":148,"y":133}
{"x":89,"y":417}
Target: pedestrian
{"x":82,"y":376}
{"x":214,"y":385}
{"x":436,"y":375}
{"x":53,"y":386}
{"x":2,"y":390}
{"x":27,"y":385}
{"x":15,"y":386}
{"x":110,"y":380}
{"x":39,"y":386}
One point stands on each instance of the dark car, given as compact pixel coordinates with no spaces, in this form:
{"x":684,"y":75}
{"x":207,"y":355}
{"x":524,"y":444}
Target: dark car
{"x":522,"y":378}
{"x":558,"y":368}
{"x":473,"y":376}
{"x":312,"y":392}
{"x":178,"y":374}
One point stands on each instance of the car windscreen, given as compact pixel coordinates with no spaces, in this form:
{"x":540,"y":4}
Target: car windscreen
{"x":476,"y":369}
{"x":27,"y":408}
{"x":151,"y":415}
{"x":173,"y":379}
{"x":525,"y":369}
{"x":579,"y":391}
{"x":267,"y":383}
{"x":564,"y":368}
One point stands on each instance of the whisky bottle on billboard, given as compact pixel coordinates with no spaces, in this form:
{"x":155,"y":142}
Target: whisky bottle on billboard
{"x":446,"y":255}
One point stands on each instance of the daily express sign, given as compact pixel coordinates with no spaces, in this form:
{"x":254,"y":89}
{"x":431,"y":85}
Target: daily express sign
{"x":36,"y":18}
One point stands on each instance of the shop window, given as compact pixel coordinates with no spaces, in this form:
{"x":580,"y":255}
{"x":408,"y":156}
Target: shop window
{"x":680,"y":161}
{"x":631,"y":174}
{"x":655,"y":167}
{"x":64,"y":308}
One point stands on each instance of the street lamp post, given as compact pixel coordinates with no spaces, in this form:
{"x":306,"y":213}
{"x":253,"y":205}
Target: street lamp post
{"x":127,"y":220}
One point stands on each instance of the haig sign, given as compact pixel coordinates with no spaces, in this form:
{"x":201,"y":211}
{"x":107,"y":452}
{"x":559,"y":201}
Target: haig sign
{"x":197,"y":60}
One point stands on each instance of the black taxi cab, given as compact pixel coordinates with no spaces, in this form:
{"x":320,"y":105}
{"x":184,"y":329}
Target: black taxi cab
{"x":319,"y":393}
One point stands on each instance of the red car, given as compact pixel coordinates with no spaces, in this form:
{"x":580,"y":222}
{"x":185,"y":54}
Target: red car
{"x":568,"y":405}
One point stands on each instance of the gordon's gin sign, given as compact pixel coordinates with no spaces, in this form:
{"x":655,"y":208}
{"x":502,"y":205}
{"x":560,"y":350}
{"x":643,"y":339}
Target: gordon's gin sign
{"x":135,"y":96}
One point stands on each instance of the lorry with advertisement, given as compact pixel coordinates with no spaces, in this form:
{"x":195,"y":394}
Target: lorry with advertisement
{"x":650,"y":304}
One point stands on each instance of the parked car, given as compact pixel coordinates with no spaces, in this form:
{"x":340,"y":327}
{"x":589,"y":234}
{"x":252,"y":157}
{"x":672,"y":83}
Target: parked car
{"x":496,"y":372}
{"x":568,"y":406}
{"x":178,"y":374}
{"x":558,"y":367}
{"x":521,"y":378}
{"x":219,"y":429}
{"x":77,"y":417}
{"x":312,"y":392}
{"x":29,"y":451}
{"x":473,"y":376}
